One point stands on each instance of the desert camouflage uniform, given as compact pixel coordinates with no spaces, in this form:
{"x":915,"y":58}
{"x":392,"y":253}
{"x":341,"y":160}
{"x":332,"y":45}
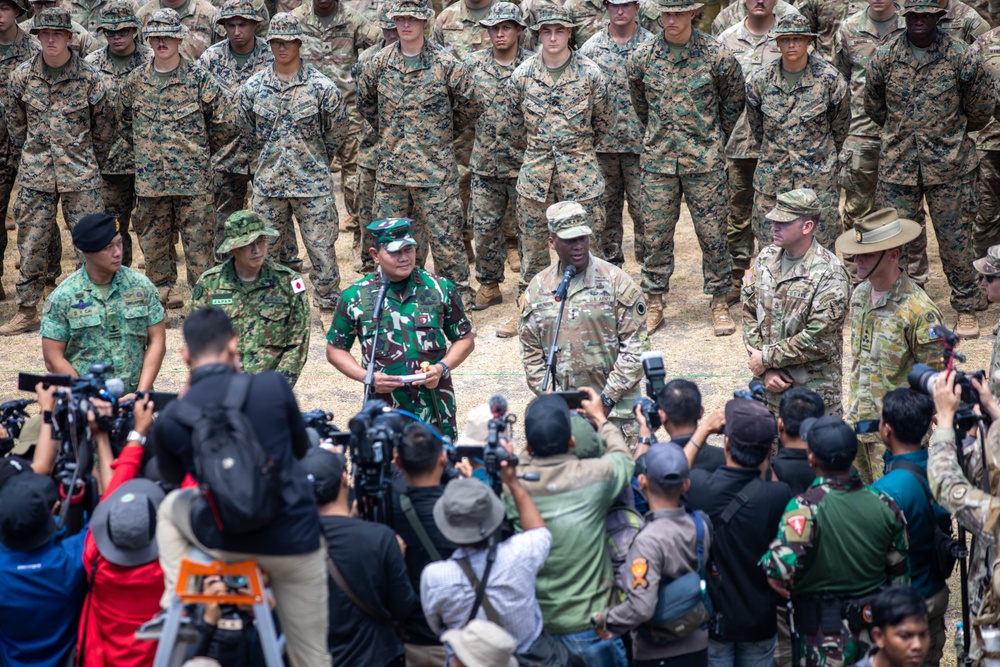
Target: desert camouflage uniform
{"x":887,"y":338}
{"x":797,"y":321}
{"x":63,"y":129}
{"x":825,"y":17}
{"x":295,"y":128}
{"x":198,"y":16}
{"x":175,"y":125}
{"x":370,"y":9}
{"x":602,"y":337}
{"x":367,"y":164}
{"x":742,"y":149}
{"x":234,"y":162}
{"x":962,"y":22}
{"x":82,"y":41}
{"x":618,"y":154}
{"x":494,"y":164}
{"x":99,"y":329}
{"x":926,"y":113}
{"x":798,"y":549}
{"x":417,"y":173}
{"x":735,"y":13}
{"x":683,"y":151}
{"x":986,"y":231}
{"x":800,"y":131}
{"x":416,"y":325}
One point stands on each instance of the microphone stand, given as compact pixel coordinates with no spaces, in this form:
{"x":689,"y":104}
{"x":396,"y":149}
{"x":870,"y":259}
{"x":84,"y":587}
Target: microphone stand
{"x":550,"y":362}
{"x":379,"y":306}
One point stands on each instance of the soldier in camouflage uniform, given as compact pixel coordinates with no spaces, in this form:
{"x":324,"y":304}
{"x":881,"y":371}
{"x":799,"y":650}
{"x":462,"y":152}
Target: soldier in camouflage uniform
{"x":825,"y":17}
{"x":683,"y":152}
{"x":116,"y":60}
{"x":296,"y":119}
{"x":986,"y":231}
{"x":737,"y":11}
{"x":231,"y":62}
{"x":416,"y":84}
{"x":104,"y":313}
{"x":176,"y":117}
{"x":266,"y":301}
{"x":618,"y":153}
{"x":926,"y":112}
{"x":961,"y":21}
{"x":61,"y":122}
{"x":423,"y":313}
{"x":795,"y":298}
{"x":988,"y":268}
{"x":603,"y":332}
{"x":891,"y":320}
{"x":82,"y":41}
{"x":838,"y":543}
{"x":588,"y":18}
{"x":199,"y":17}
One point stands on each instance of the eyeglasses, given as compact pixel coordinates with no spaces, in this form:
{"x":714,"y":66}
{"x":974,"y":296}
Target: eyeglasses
{"x":990,"y":279}
{"x":124,"y":32}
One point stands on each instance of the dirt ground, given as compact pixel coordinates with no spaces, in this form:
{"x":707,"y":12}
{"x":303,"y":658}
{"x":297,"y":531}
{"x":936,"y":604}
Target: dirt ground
{"x":690,"y":350}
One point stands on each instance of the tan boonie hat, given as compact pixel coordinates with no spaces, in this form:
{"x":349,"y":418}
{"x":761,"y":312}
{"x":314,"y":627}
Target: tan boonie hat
{"x":793,"y":205}
{"x":30,"y":433}
{"x":923,"y":7}
{"x":988,"y":266}
{"x":477,"y":427}
{"x":117,"y":15}
{"x":567,"y":220}
{"x":243,"y":228}
{"x":553,"y":15}
{"x":285,"y":27}
{"x":482,"y":644}
{"x":52,"y":18}
{"x":413,"y":8}
{"x":790,"y":25}
{"x":504,"y":11}
{"x":881,"y":230}
{"x":237,"y":9}
{"x":678,"y":5}
{"x":166,"y":23}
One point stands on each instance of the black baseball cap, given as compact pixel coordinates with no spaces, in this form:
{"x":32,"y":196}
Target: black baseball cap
{"x":831,"y":440}
{"x":94,"y":232}
{"x":547,"y":420}
{"x":26,"y":502}
{"x":749,"y":424}
{"x":323,"y":469}
{"x":666,"y":465}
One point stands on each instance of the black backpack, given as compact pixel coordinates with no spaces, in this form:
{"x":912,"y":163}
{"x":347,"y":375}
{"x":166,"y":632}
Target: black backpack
{"x":241,"y":483}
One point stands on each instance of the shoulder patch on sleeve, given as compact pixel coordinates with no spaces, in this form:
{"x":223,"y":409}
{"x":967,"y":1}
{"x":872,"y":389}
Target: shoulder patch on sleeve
{"x":750,"y":277}
{"x":630,"y":295}
{"x":639,"y":568}
{"x":797,"y":526}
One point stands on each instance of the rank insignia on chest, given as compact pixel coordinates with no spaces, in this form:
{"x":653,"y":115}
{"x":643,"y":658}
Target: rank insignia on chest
{"x":298,"y":286}
{"x":423,"y":320}
{"x":81,"y":304}
{"x":639,"y":568}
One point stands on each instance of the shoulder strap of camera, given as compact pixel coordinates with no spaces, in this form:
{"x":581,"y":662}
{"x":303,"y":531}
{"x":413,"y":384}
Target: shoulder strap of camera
{"x":342,"y":584}
{"x":418,"y":528}
{"x":480,"y":586}
{"x":749,"y":490}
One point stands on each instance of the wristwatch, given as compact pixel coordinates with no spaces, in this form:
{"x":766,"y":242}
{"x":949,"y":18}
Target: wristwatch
{"x":608,"y":403}
{"x":645,"y":441}
{"x":135,"y":436}
{"x":446,"y":373}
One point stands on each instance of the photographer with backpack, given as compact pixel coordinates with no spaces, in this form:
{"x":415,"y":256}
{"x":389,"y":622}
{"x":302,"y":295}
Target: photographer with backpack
{"x":241,"y":438}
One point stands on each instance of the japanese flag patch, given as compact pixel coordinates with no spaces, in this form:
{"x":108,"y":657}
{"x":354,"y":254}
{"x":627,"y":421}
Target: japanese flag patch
{"x":298,"y":286}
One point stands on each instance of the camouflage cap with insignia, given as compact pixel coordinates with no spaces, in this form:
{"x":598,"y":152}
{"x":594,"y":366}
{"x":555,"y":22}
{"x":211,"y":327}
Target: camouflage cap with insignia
{"x":793,"y":205}
{"x":285,"y":27}
{"x":923,"y":7}
{"x":674,"y":6}
{"x":505,"y":11}
{"x":166,"y":23}
{"x":567,"y":220}
{"x":417,"y":9}
{"x":118,"y":15}
{"x":52,"y":18}
{"x":243,"y":228}
{"x":989,"y":265}
{"x":241,"y":9}
{"x":393,"y":234}
{"x":878,"y":231}
{"x":790,"y":25}
{"x":552,"y":15}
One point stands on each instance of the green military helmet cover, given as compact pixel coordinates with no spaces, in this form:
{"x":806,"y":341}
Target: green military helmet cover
{"x":417,"y":9}
{"x":792,"y":24}
{"x":567,"y":220}
{"x":166,"y":23}
{"x":393,"y":234}
{"x":552,"y":15}
{"x":505,"y":11}
{"x":678,"y":5}
{"x":242,"y":9}
{"x":52,"y":18}
{"x":285,"y":27}
{"x":923,"y":7}
{"x":877,"y":231}
{"x":118,"y":15}
{"x":989,"y":265}
{"x":243,"y":228}
{"x":793,"y":205}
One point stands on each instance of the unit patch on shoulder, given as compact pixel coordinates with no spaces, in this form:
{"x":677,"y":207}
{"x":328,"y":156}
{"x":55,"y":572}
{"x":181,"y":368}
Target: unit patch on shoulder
{"x":639,"y":569}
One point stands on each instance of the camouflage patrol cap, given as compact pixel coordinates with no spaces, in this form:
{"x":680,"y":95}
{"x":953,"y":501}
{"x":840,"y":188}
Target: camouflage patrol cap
{"x":678,"y":5}
{"x":117,"y":15}
{"x":233,"y":9}
{"x":923,"y":7}
{"x":790,"y":25}
{"x":52,"y":18}
{"x":989,"y":265}
{"x":881,"y":230}
{"x":793,"y":205}
{"x":285,"y":27}
{"x":552,"y":15}
{"x":393,"y":234}
{"x":165,"y":23}
{"x":504,"y":11}
{"x":243,"y":228}
{"x":567,"y":220}
{"x":418,"y":9}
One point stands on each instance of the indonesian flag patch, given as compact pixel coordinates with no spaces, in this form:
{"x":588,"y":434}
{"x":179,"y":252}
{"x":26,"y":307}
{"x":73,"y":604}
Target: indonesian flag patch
{"x":298,"y":286}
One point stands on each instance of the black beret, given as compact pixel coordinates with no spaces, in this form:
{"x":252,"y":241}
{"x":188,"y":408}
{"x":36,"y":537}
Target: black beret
{"x":94,"y":232}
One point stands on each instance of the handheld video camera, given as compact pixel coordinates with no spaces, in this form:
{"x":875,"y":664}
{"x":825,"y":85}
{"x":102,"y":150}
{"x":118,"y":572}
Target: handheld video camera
{"x":754,"y":392}
{"x":922,"y":378}
{"x":494,"y":453}
{"x":322,"y":431}
{"x":13,"y":414}
{"x":376,"y":431}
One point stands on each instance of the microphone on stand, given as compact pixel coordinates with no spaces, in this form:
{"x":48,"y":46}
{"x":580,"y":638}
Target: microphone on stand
{"x":564,"y":285}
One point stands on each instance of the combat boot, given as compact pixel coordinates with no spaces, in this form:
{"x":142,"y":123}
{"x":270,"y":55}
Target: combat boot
{"x":487,"y":295}
{"x":733,"y":295}
{"x":508,"y":329}
{"x":721,"y":321}
{"x":24,"y":321}
{"x":170,"y":298}
{"x":513,"y":255}
{"x":967,"y":326}
{"x":654,"y":311}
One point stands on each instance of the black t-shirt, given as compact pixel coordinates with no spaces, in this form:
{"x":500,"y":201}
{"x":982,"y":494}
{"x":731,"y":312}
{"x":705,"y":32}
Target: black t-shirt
{"x":368,"y":556}
{"x":791,"y":466}
{"x":744,"y":602}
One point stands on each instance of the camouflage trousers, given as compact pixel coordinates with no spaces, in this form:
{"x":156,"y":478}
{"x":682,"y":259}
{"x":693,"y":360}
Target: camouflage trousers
{"x":533,"y":230}
{"x":232,"y":191}
{"x":365,"y":201}
{"x":953,"y":211}
{"x":869,"y":462}
{"x":437,"y":216}
{"x":158,"y":219}
{"x":622,"y":179}
{"x":119,"y":200}
{"x":739,"y":173}
{"x":827,"y":223}
{"x":858,"y":176}
{"x":37,"y":232}
{"x":7,"y":178}
{"x":489,"y":209}
{"x":317,"y":218}
{"x":705,"y":195}
{"x":347,"y":157}
{"x":986,"y":230}
{"x":463,"y":154}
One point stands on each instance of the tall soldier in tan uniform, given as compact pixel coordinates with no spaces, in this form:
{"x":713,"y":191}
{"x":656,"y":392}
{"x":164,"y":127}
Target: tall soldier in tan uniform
{"x":61,"y":121}
{"x":198,"y":16}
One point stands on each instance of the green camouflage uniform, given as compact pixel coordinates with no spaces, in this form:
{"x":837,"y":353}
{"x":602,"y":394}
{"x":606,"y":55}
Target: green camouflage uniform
{"x":825,"y":17}
{"x":683,"y":151}
{"x":198,"y":16}
{"x":926,"y":113}
{"x":735,"y":13}
{"x":418,"y":321}
{"x":100,"y":329}
{"x":82,"y":41}
{"x":797,"y":320}
{"x":986,"y":231}
{"x":63,"y":129}
{"x":295,"y":128}
{"x":962,"y":22}
{"x":810,"y":554}
{"x":618,"y":154}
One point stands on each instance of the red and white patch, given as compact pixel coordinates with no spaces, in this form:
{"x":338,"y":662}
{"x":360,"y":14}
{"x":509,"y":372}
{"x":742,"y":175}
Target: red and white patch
{"x":298,"y":286}
{"x":798,"y":523}
{"x":423,"y":319}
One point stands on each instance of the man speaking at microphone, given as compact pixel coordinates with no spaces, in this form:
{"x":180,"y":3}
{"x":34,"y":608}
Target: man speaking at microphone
{"x":603,"y":331}
{"x":421,"y":314}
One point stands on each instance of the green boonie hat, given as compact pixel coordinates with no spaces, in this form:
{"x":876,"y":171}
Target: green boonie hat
{"x":554,"y":15}
{"x":793,"y":205}
{"x":878,"y":231}
{"x":415,"y":8}
{"x":384,"y":22}
{"x":567,"y":220}
{"x":52,"y":18}
{"x":989,"y":265}
{"x":243,"y":228}
{"x":393,"y":234}
{"x":923,"y":7}
{"x":241,"y":9}
{"x":22,"y":7}
{"x":678,"y":5}
{"x":165,"y":23}
{"x":285,"y":27}
{"x":504,"y":11}
{"x":792,"y":24}
{"x":117,"y":15}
